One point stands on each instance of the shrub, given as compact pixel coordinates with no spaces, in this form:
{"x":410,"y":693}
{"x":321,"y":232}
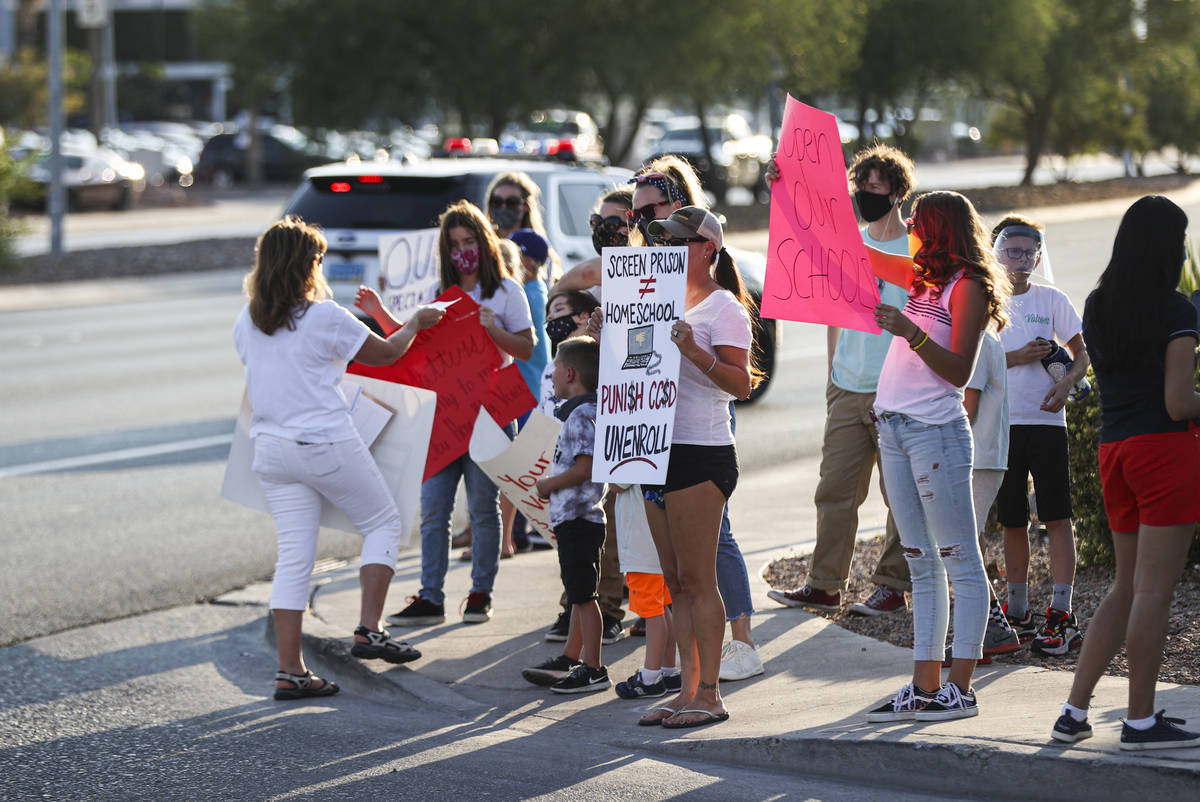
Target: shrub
{"x":1092,"y":535}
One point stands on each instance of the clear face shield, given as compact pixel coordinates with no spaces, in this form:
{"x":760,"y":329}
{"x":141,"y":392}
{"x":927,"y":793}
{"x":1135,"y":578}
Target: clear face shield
{"x":1023,"y":249}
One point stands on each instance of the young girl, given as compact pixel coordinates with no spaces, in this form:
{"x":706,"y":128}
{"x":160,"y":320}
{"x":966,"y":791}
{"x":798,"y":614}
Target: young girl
{"x":1141,"y":334}
{"x":955,"y":288}
{"x":469,"y":257}
{"x":295,"y":344}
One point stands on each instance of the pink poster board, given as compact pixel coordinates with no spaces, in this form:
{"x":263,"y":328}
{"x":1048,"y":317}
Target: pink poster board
{"x":817,"y":268}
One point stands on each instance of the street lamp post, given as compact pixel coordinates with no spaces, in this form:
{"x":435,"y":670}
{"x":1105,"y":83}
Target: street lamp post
{"x":56,"y":200}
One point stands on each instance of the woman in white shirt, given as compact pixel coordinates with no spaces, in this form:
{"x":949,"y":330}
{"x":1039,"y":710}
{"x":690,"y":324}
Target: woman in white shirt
{"x":295,"y":344}
{"x":956,"y":288}
{"x":714,"y":339}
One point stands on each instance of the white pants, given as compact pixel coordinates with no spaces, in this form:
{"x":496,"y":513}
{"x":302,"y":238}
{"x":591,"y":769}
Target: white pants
{"x":294,"y":477}
{"x":985,"y":484}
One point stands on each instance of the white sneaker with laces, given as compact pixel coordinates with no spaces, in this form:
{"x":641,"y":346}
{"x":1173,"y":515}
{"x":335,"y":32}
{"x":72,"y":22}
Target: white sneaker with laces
{"x":740,"y":661}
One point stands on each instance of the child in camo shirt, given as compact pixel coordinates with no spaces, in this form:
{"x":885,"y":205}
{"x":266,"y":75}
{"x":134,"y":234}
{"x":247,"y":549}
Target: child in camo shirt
{"x":576,"y":512}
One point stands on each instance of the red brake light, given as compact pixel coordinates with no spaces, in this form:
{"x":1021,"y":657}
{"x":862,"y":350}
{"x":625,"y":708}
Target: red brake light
{"x":565,"y":147}
{"x":370,"y":179}
{"x":339,"y":186}
{"x":457,"y":144}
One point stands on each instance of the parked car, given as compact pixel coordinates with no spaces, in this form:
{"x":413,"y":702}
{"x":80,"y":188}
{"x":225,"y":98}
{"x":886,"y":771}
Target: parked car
{"x":284,"y":158}
{"x":357,"y":204}
{"x":99,"y":178}
{"x":561,"y":132}
{"x":737,"y":156}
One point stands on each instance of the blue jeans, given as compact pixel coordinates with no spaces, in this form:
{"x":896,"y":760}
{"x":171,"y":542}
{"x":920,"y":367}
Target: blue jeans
{"x":927,"y":471}
{"x":732,"y":578}
{"x":437,"y":505}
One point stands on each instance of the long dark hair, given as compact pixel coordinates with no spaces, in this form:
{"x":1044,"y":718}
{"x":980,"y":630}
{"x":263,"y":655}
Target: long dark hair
{"x":953,"y":239}
{"x":286,"y":277}
{"x":1146,"y":264}
{"x":492,"y":268}
{"x":726,"y":274}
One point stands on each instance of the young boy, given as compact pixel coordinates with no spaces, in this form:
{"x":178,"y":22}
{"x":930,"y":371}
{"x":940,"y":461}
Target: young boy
{"x":577,"y":515}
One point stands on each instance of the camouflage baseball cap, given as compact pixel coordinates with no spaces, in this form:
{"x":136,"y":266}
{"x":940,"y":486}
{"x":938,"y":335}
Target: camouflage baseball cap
{"x":690,"y":221}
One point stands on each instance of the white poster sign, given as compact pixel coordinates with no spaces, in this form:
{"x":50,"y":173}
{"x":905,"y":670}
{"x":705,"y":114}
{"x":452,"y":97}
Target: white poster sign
{"x":517,"y":465}
{"x":644,"y":291}
{"x":399,"y":449}
{"x":408,"y":265}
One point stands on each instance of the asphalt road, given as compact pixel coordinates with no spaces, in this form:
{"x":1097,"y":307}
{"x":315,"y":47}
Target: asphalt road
{"x":119,"y":398}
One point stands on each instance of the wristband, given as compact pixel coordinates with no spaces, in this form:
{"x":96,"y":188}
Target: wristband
{"x":713,"y":365}
{"x":924,"y":340}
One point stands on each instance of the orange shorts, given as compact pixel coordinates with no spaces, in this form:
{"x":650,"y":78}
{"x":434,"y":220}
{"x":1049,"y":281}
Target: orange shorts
{"x":648,"y":594}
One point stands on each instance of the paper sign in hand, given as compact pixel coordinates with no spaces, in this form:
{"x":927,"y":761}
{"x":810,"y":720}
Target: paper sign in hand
{"x":457,"y":359}
{"x":517,"y":465}
{"x":408,"y":266}
{"x":817,"y":266}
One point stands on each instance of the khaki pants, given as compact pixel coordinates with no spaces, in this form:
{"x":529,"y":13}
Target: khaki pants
{"x":849,"y":452}
{"x":612,"y":581}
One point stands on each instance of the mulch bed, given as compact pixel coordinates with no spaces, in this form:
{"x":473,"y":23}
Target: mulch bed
{"x":1181,"y":657}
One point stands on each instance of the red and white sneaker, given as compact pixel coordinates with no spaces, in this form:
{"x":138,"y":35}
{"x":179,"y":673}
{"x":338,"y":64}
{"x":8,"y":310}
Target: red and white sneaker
{"x":882,"y":601}
{"x":1060,"y":634}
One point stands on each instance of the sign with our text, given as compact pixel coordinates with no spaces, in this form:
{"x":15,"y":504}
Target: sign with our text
{"x":644,"y":292}
{"x":516,"y":466}
{"x":457,"y":359}
{"x":817,"y":266}
{"x":408,"y":266}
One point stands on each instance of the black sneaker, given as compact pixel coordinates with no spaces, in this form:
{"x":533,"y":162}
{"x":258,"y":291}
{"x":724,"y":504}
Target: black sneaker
{"x":420,"y":612}
{"x":551,"y":671}
{"x":478,"y":608}
{"x":903,"y":706}
{"x":673,"y":682}
{"x":1060,"y":634}
{"x":558,"y":632}
{"x":612,"y":632}
{"x":634,"y":688}
{"x":583,"y":679}
{"x":1068,"y":730}
{"x":951,"y":702}
{"x":1165,"y":734}
{"x":1024,"y":627}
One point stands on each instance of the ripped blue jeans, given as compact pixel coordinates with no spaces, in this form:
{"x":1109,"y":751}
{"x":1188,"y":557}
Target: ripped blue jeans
{"x":927,"y":471}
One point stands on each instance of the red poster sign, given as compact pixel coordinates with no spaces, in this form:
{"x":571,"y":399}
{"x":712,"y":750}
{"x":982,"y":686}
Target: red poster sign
{"x":460,"y":362}
{"x":817,"y":267}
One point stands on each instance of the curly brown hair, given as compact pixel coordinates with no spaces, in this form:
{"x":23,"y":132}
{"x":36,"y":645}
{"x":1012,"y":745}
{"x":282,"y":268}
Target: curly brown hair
{"x":953,"y":239}
{"x":287,"y":275}
{"x":892,"y":163}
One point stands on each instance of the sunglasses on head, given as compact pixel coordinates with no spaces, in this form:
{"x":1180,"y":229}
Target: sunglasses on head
{"x":647,"y":212}
{"x":612,"y":222}
{"x":512,"y":202}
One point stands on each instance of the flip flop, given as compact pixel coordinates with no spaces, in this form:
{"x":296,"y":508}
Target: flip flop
{"x":711,"y":718}
{"x":642,"y":722}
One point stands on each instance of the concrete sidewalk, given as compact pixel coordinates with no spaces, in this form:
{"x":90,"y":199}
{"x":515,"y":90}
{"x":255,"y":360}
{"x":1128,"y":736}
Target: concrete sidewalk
{"x":806,"y":713}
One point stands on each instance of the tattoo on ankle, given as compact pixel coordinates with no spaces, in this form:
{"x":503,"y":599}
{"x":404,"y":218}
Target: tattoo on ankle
{"x":708,"y":686}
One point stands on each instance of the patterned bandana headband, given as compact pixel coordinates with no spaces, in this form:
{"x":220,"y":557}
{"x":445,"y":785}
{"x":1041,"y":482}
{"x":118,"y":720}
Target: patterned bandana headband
{"x":661,"y":183}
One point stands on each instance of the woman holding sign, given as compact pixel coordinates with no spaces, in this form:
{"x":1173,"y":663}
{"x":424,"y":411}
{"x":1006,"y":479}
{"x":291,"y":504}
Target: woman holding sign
{"x":295,"y":344}
{"x":956,"y":290}
{"x":714,"y":339}
{"x":469,"y":258}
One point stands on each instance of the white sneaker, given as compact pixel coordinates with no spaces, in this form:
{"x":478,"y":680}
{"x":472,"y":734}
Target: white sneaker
{"x":740,"y":661}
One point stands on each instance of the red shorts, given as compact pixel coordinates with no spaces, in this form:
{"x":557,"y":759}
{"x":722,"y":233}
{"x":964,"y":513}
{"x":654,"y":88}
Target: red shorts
{"x":648,"y":594}
{"x":1151,"y":479}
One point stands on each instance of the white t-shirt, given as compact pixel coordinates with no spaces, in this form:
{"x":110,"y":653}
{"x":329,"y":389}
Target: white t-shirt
{"x":292,"y":376}
{"x":508,"y":302}
{"x":635,"y":544}
{"x":1040,"y":312}
{"x":702,"y":412}
{"x":990,"y":429}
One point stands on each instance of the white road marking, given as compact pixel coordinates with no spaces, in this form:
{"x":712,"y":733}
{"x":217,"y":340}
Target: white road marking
{"x":119,"y":455}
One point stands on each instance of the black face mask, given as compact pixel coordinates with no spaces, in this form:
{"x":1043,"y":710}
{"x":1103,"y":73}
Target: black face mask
{"x":605,"y":237}
{"x":559,"y":329}
{"x":871,"y":205}
{"x":506,"y":219}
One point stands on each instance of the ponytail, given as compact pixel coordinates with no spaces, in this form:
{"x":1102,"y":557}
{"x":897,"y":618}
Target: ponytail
{"x":726,"y":274}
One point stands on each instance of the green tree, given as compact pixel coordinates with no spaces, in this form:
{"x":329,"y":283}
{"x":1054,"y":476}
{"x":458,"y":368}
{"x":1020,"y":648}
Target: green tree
{"x":25,"y":92}
{"x":1165,"y":74}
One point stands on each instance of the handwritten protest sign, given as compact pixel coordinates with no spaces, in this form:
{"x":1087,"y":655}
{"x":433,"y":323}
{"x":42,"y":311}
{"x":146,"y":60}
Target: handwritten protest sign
{"x":517,"y":465}
{"x":457,"y":360}
{"x":644,"y":291}
{"x":817,"y":268}
{"x":399,"y":451}
{"x":408,"y":266}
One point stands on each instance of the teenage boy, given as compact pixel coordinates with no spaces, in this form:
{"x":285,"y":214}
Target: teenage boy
{"x":882,"y":177}
{"x":577,"y":515}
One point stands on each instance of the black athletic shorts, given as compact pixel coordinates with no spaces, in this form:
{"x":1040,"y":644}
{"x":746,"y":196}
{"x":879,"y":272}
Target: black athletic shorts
{"x":580,"y":546}
{"x":1042,"y":451}
{"x":692,"y":465}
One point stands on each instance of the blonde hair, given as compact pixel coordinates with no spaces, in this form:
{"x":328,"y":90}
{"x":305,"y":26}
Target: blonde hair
{"x":287,"y":277}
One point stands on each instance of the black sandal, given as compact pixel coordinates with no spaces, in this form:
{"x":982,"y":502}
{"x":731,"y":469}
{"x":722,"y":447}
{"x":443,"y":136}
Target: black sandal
{"x":304,"y":686}
{"x":380,"y":646}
